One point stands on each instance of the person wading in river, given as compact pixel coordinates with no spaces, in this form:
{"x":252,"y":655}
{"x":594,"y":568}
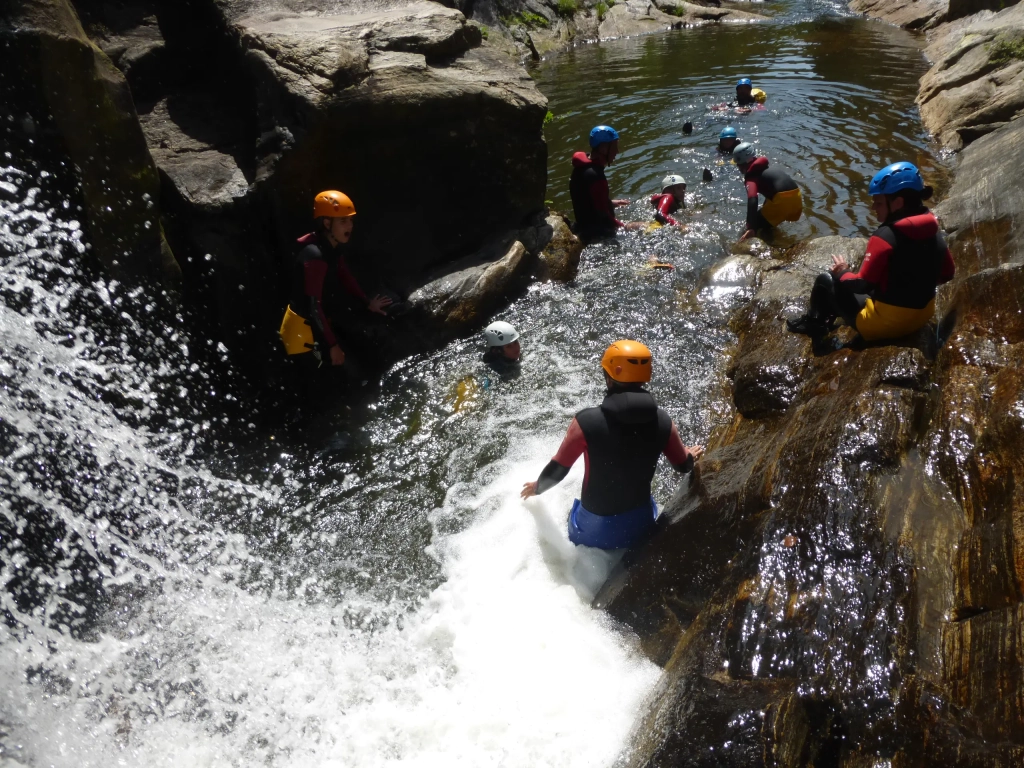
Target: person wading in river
{"x":893,"y":292}
{"x":727,"y":140}
{"x":783,"y":201}
{"x":621,"y":441}
{"x":588,"y":187}
{"x":321,"y":277}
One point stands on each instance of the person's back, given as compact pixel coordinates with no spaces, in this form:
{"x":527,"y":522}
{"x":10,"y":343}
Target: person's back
{"x":591,"y":203}
{"x":625,"y":435}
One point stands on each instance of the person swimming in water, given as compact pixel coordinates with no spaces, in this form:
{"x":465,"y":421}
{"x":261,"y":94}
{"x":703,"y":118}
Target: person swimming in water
{"x":670,"y":200}
{"x":728,"y":140}
{"x":620,"y":441}
{"x":747,"y":98}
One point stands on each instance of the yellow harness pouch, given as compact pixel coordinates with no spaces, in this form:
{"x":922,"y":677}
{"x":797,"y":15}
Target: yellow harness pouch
{"x":879,"y":320}
{"x":758,"y":95}
{"x":296,"y":333}
{"x":785,"y":206}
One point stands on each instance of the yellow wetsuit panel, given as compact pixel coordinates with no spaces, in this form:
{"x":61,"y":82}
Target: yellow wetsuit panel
{"x":295,"y":333}
{"x":758,"y":95}
{"x":886,"y":321}
{"x":785,"y":206}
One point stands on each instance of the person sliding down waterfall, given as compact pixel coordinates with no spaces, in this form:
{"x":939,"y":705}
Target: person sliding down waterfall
{"x":621,"y":441}
{"x":320,"y":276}
{"x":591,"y":203}
{"x":782,"y":198}
{"x":893,"y":292}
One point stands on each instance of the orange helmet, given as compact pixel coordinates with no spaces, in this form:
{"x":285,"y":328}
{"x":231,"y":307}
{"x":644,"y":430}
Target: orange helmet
{"x":628,"y":362}
{"x":333,"y":204}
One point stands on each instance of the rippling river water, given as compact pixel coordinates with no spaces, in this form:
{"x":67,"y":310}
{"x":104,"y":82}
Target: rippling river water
{"x":178,"y":595}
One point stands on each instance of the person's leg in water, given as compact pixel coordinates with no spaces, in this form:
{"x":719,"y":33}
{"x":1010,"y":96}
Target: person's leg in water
{"x":830,"y":299}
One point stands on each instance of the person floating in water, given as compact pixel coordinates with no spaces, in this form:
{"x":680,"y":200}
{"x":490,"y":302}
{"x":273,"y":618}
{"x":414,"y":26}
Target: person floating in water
{"x":320,"y":278}
{"x":588,"y":187}
{"x":503,"y":350}
{"x":747,"y":97}
{"x":671,"y":199}
{"x":782,"y":198}
{"x":727,"y":140}
{"x":893,"y":292}
{"x":620,"y":441}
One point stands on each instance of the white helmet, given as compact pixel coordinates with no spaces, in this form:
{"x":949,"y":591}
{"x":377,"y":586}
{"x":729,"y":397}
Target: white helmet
{"x":743,"y":153}
{"x":499,"y":333}
{"x":671,"y":180}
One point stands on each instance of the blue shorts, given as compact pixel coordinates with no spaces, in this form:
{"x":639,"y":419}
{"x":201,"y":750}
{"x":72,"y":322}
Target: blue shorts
{"x":621,"y":531}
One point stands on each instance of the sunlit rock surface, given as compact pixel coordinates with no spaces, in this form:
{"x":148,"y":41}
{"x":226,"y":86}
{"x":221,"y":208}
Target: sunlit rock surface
{"x":74,"y":109}
{"x":840,"y":583}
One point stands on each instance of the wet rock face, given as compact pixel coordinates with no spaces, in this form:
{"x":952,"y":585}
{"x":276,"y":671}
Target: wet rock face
{"x":840,"y":582}
{"x":73,"y":103}
{"x":976,"y":86}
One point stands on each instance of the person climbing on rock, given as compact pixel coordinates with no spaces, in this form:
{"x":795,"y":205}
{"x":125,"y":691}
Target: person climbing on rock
{"x":588,"y":187}
{"x":783,"y":201}
{"x":321,"y":276}
{"x":671,"y":199}
{"x":727,"y":140}
{"x":620,"y":441}
{"x":503,"y":351}
{"x":893,"y":292}
{"x":747,"y":97}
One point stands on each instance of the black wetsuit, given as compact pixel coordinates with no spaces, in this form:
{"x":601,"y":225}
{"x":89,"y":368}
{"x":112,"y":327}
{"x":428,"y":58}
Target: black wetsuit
{"x":591,"y":202}
{"x":621,"y":440}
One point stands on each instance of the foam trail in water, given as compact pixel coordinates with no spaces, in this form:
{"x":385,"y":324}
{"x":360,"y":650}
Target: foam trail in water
{"x":504,"y":664}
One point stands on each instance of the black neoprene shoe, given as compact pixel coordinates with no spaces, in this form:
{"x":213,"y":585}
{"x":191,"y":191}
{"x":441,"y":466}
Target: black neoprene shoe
{"x":808,"y":325}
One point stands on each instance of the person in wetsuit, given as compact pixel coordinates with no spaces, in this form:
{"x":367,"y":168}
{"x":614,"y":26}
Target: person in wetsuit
{"x":503,"y":351}
{"x":727,"y":140}
{"x":620,"y":441}
{"x":783,"y":200}
{"x":747,"y":97}
{"x":671,"y":199}
{"x":591,"y":202}
{"x":321,"y":280}
{"x":893,"y":292}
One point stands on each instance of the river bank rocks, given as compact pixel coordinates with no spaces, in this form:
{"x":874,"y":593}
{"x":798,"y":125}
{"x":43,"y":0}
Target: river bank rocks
{"x":976,"y":83}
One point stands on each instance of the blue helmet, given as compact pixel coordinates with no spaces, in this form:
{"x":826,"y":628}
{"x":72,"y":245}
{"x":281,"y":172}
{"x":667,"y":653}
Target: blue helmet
{"x":743,"y":81}
{"x":727,"y":133}
{"x":603,"y":134}
{"x":896,"y":177}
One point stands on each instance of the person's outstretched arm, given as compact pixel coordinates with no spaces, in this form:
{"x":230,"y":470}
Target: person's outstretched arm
{"x":681,"y":457}
{"x":572,"y":447}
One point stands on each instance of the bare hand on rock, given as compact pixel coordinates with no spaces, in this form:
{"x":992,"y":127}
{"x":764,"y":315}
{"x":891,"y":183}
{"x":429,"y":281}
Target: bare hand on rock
{"x":377,"y":304}
{"x":620,"y":202}
{"x":839,"y":265}
{"x":634,"y":225}
{"x":337,"y":355}
{"x":696,"y":451}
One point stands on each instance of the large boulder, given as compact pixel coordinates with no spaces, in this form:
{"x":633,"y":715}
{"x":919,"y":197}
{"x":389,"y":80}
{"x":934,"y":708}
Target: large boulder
{"x":77,"y":111}
{"x":977,"y":82}
{"x":911,"y":14}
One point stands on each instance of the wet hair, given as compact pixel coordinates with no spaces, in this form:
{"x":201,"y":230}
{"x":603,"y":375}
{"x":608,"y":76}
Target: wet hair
{"x":913,"y":198}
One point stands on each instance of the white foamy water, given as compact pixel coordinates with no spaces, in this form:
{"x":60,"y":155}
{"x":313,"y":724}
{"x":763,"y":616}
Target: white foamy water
{"x":504,"y":664}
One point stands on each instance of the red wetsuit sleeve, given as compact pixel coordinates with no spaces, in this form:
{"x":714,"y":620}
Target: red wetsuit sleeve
{"x":751,"y":204}
{"x":677,"y":453}
{"x":665,"y":206}
{"x":572,"y":447}
{"x":602,"y":201}
{"x":948,"y":267}
{"x":314,"y":272}
{"x":874,"y":270}
{"x":348,"y":281}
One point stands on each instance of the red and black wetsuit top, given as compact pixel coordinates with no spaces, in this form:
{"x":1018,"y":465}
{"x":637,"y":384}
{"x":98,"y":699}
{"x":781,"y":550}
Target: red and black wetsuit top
{"x":620,"y":441}
{"x":664,"y":204}
{"x":906,"y":259}
{"x":591,"y":202}
{"x":320,"y":275}
{"x":760,"y":179}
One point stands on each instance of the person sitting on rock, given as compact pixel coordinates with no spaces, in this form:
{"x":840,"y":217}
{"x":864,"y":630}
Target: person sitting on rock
{"x":321,"y":276}
{"x":727,"y":140}
{"x":893,"y":292}
{"x":588,"y":187}
{"x":671,"y":199}
{"x":620,"y":441}
{"x":503,"y":350}
{"x":783,"y":201}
